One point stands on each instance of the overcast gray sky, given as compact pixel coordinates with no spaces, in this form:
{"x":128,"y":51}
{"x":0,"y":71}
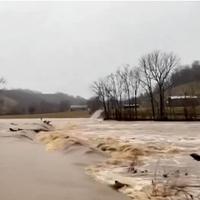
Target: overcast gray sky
{"x":65,"y":46}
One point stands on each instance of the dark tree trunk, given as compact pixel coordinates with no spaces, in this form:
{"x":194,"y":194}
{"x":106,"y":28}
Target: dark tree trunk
{"x":162,"y":105}
{"x":152,"y":105}
{"x":135,"y":102}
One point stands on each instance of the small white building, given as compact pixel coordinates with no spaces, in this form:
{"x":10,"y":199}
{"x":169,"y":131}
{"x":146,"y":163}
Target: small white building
{"x":183,"y":101}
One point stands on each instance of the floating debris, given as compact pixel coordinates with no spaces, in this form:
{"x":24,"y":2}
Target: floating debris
{"x":118,"y":185}
{"x":195,"y":156}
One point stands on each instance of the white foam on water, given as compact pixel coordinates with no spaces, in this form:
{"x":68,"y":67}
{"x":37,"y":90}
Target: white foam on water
{"x":97,"y":114}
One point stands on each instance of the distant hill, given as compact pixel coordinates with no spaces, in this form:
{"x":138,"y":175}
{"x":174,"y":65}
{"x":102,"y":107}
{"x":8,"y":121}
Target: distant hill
{"x":20,"y":101}
{"x":186,"y":74}
{"x":186,"y":80}
{"x":190,"y":88}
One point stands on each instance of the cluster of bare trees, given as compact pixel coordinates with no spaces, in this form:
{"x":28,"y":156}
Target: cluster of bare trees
{"x":116,"y":90}
{"x":120,"y":90}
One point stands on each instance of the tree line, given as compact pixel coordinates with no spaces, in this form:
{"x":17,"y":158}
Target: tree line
{"x":155,"y":74}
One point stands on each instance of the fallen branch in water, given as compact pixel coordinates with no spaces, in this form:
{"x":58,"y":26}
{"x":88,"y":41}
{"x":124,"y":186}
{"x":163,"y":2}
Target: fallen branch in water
{"x":117,"y":185}
{"x":14,"y":130}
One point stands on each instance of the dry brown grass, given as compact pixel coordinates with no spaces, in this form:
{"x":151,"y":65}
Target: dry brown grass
{"x":68,"y":114}
{"x":173,"y":185}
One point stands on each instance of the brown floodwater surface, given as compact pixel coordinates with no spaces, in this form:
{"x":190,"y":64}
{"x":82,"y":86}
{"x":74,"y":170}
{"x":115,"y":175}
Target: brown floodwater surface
{"x":79,"y":158}
{"x":28,"y":172}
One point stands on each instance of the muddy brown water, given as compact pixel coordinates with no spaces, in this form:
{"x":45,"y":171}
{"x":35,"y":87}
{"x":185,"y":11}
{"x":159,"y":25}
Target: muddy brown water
{"x":28,"y":172}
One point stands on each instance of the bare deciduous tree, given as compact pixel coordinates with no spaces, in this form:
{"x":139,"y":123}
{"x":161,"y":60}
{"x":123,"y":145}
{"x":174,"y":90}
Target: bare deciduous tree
{"x":146,"y":81}
{"x":99,"y":89}
{"x":158,"y":66}
{"x":135,"y":79}
{"x":125,"y":74}
{"x":122,"y":87}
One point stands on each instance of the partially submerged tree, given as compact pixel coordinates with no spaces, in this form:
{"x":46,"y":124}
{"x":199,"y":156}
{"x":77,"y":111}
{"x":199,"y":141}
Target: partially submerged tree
{"x":116,"y":90}
{"x":147,"y":82}
{"x":126,"y":78}
{"x":135,"y":86}
{"x":119,"y":90}
{"x":101,"y":91}
{"x":158,"y":67}
{"x":94,"y":104}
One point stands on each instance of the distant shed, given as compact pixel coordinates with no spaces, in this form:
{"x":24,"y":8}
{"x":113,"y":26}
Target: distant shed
{"x":131,"y":106}
{"x":78,"y":108}
{"x":183,"y":101}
